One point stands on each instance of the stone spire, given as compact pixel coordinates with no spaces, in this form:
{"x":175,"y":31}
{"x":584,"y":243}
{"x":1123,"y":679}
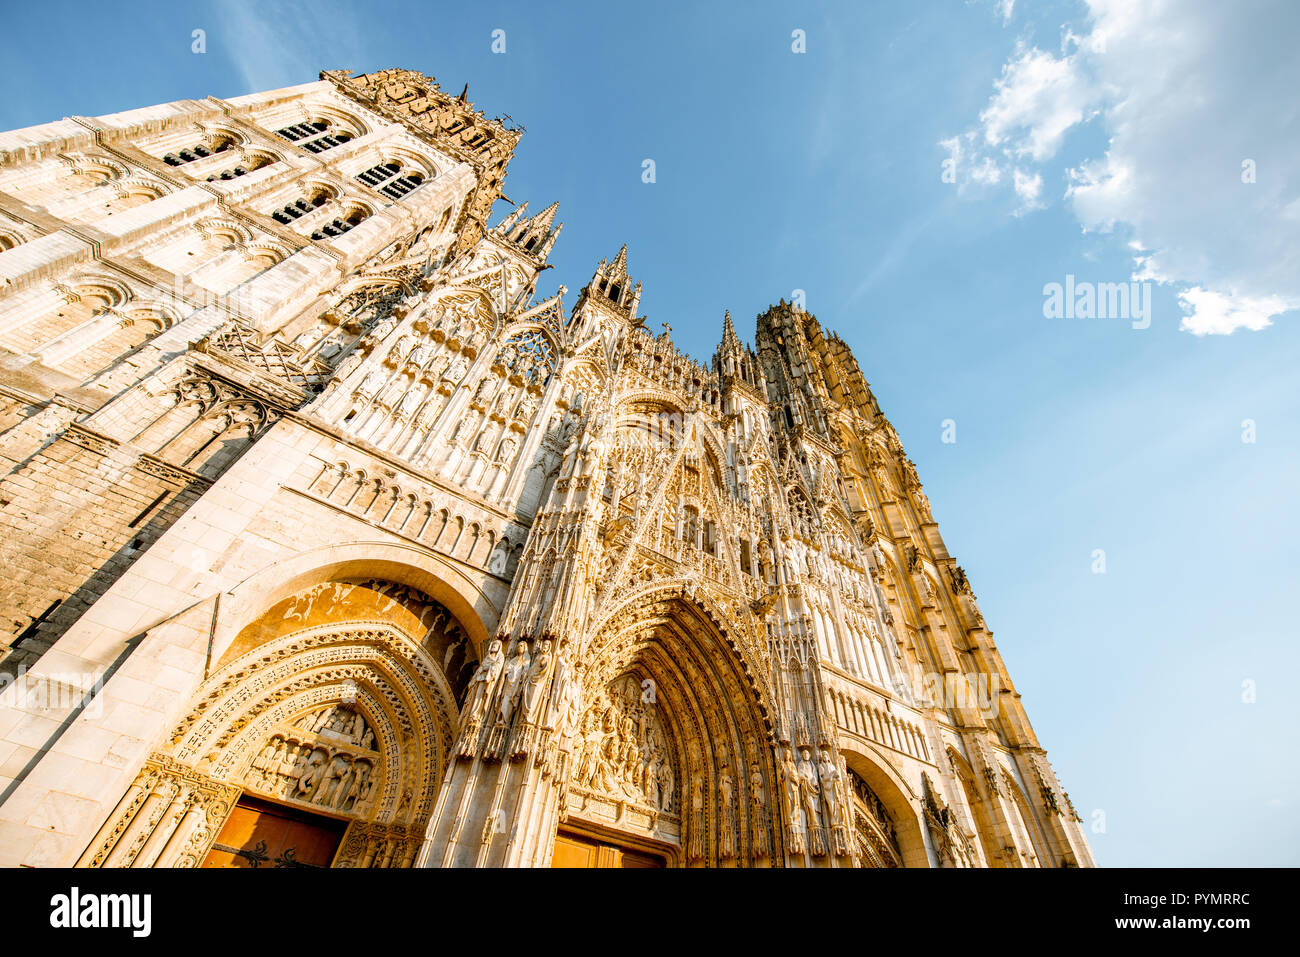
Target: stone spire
{"x":533,"y":236}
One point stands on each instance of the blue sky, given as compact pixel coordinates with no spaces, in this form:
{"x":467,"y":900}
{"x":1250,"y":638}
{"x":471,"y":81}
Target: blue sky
{"x":1097,"y":139}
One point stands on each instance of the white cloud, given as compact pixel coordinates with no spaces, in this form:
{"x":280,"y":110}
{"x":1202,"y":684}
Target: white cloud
{"x":986,"y":172}
{"x":1028,"y":188}
{"x":1211,"y":313}
{"x":1038,"y":99}
{"x":1202,"y":163}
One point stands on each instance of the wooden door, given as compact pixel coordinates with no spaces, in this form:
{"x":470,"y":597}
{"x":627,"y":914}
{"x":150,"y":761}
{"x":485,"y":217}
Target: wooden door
{"x":577,"y":850}
{"x":262,"y":834}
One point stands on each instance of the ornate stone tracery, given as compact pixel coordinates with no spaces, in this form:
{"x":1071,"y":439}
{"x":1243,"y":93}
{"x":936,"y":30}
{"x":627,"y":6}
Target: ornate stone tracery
{"x":338,"y":714}
{"x":705,"y":598}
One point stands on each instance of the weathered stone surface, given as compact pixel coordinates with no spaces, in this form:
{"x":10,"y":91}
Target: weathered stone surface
{"x":311,"y":502}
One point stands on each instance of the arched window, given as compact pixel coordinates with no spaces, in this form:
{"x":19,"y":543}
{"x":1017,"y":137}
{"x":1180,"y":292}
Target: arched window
{"x":256,"y":163}
{"x":201,"y":151}
{"x":389,"y":179}
{"x":315,"y":136}
{"x":301,"y":207}
{"x":340,"y":225}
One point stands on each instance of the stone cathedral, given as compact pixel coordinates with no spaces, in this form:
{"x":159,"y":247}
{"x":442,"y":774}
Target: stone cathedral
{"x":328,"y":540}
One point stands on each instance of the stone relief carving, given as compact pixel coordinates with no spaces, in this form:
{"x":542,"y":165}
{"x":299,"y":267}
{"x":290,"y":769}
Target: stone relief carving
{"x":625,"y":750}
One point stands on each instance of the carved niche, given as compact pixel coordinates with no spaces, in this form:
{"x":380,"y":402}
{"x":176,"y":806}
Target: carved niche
{"x":327,"y":758}
{"x":626,"y":771}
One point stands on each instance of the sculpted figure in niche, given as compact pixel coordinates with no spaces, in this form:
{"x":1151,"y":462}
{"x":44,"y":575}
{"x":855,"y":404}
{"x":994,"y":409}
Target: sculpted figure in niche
{"x":572,"y":696}
{"x":666,"y":783}
{"x":332,"y":778}
{"x":483,"y":682}
{"x":809,"y":790}
{"x":410,"y":402}
{"x":266,"y":759}
{"x":350,"y":363}
{"x":727,"y":807}
{"x":350,"y":798}
{"x":697,"y":828}
{"x":311,"y":774}
{"x":516,"y":671}
{"x":483,"y":441}
{"x":571,"y":454}
{"x":370,"y":385}
{"x":527,"y":406}
{"x":459,"y":432}
{"x":456,"y":371}
{"x":558,"y":702}
{"x":832,"y":781}
{"x":758,"y":809}
{"x":384,"y":328}
{"x":532,"y":691}
{"x":367,"y":784}
{"x":791,"y":791}
{"x":587,"y":750}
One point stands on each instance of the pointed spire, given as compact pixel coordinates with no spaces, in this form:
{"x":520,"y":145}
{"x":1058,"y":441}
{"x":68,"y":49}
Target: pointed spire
{"x":611,"y":285}
{"x":531,"y":235}
{"x":619,"y":268}
{"x":546,"y":216}
{"x":729,"y":338}
{"x":513,"y":218}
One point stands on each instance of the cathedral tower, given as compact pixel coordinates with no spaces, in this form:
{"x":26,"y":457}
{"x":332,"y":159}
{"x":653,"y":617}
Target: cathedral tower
{"x":321,"y":505}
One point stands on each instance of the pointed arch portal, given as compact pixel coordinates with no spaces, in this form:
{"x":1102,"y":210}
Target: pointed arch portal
{"x":320,"y":738}
{"x":673,"y":753}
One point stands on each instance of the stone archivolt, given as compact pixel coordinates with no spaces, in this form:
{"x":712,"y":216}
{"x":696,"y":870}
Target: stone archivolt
{"x":705,"y":598}
{"x":345,"y":702}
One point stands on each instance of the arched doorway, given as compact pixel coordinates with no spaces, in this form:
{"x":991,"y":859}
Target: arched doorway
{"x":672,"y":754}
{"x":319,"y":739}
{"x":887,"y":824}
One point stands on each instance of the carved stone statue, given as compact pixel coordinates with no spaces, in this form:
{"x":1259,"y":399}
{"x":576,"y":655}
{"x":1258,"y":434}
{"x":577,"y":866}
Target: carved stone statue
{"x":809,"y":793}
{"x":791,"y":791}
{"x":758,"y":810}
{"x":456,"y":371}
{"x":533,"y":699}
{"x":484,"y":680}
{"x":370,"y":384}
{"x":832,"y":785}
{"x":698,"y":828}
{"x":516,"y":672}
{"x":726,"y":815}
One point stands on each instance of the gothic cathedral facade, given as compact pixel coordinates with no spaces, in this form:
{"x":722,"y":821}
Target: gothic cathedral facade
{"x":328,"y":540}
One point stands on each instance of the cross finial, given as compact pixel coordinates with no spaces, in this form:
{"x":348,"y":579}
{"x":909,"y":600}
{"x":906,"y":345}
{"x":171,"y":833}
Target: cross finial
{"x":667,"y":329}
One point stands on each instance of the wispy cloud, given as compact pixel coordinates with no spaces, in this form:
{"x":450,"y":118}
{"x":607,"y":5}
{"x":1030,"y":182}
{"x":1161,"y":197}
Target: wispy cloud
{"x":897,"y":252}
{"x":1202,"y":165}
{"x":277,"y":44}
